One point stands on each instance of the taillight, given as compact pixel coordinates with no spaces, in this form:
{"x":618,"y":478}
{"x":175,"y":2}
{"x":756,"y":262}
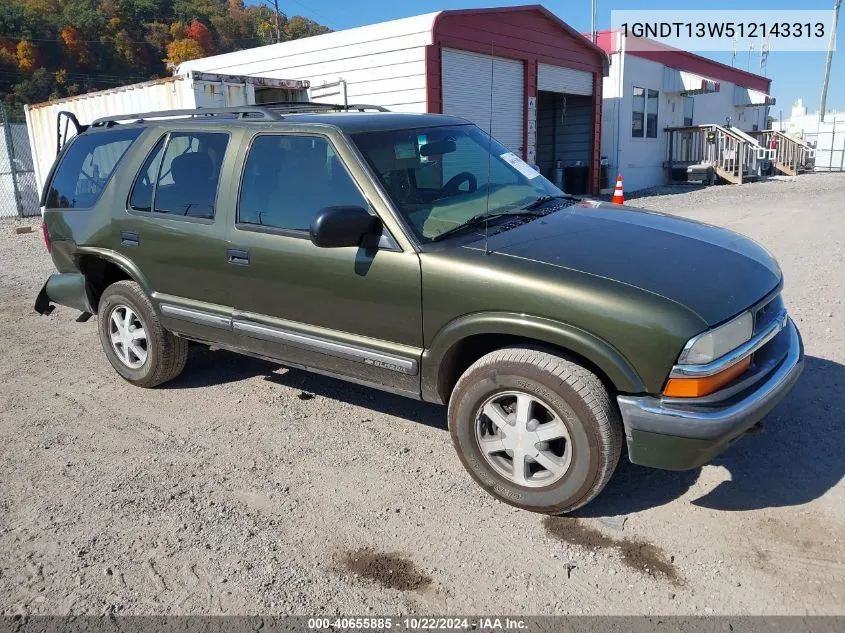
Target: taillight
{"x":46,"y":235}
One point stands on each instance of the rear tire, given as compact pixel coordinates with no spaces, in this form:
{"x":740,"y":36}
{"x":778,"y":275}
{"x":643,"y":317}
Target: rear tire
{"x":534,"y":430}
{"x":133,"y":339}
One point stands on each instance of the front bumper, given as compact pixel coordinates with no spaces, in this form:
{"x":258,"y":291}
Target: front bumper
{"x":679,"y":435}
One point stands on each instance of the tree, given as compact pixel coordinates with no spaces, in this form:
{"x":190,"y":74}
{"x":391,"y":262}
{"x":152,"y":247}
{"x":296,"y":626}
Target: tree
{"x":77,"y":48}
{"x":182,"y":51}
{"x":27,"y":56}
{"x":298,"y":27}
{"x":199,"y":32}
{"x":36,"y":88}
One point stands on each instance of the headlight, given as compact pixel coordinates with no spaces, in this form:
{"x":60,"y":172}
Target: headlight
{"x":714,"y":344}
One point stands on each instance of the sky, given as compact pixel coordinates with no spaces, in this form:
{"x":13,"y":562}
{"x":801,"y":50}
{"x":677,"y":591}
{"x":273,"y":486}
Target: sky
{"x":794,"y":74}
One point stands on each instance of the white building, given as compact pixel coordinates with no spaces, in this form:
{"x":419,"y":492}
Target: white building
{"x":827,"y":137}
{"x":655,"y":87}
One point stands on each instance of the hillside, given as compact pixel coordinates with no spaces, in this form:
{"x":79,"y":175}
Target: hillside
{"x":58,"y":48}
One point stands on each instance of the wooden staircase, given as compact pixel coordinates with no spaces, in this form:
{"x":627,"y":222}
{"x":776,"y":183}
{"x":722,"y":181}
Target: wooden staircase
{"x":733,"y":155}
{"x":790,"y":155}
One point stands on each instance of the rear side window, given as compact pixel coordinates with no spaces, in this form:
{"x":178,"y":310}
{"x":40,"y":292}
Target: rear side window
{"x":181,"y":174}
{"x":86,"y":168}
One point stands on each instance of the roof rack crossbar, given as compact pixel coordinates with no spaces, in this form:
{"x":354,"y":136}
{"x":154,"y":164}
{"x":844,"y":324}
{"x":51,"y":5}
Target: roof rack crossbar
{"x":242,"y":112}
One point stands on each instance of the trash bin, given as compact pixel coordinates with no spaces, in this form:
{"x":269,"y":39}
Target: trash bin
{"x":577,"y":179}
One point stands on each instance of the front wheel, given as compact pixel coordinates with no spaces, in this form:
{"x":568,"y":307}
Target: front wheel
{"x":535,"y":430}
{"x":133,"y":339}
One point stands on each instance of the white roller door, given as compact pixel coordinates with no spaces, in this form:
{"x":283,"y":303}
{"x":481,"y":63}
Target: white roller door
{"x":559,"y":79}
{"x":466,"y":87}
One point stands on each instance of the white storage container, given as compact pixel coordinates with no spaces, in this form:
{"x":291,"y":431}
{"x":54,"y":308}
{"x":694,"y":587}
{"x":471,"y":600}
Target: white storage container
{"x":192,"y":89}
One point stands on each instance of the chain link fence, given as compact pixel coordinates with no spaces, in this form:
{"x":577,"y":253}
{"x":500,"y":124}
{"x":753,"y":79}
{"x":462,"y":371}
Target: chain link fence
{"x":18,"y":192}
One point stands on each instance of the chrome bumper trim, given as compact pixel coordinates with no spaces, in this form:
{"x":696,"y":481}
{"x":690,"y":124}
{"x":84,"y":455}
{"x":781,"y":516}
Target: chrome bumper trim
{"x":732,"y":358}
{"x":691,"y":419}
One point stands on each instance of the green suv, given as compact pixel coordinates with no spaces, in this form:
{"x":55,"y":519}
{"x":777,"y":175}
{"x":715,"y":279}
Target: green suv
{"x":415,"y":254}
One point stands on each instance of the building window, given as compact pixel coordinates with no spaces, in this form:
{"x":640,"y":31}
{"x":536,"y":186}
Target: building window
{"x":688,"y":103}
{"x":644,"y":113}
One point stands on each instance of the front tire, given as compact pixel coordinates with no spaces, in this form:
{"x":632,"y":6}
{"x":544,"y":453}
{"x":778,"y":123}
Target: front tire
{"x":133,"y":339}
{"x":534,"y":430}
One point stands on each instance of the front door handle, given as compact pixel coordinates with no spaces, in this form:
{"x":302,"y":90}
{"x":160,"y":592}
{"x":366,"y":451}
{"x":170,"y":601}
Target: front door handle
{"x":130,"y":238}
{"x":237,"y":256}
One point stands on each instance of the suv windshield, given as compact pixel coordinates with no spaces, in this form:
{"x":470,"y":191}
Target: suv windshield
{"x":440,"y":177}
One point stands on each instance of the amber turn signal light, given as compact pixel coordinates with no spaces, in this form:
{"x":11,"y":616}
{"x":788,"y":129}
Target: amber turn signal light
{"x":698,"y":387}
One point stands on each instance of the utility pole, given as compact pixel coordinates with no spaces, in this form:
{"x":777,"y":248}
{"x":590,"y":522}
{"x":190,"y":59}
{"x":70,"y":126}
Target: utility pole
{"x":837,"y":4}
{"x":593,"y":32}
{"x":764,"y":56}
{"x":278,"y":22}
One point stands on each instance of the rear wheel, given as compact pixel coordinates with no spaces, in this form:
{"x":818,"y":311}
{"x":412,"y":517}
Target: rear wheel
{"x":133,"y":339}
{"x":535,"y":430}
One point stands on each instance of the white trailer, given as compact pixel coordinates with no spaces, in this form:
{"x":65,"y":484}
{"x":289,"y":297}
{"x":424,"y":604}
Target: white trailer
{"x":187,"y":90}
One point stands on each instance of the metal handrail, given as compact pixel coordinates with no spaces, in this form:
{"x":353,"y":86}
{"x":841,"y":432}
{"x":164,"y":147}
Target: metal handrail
{"x":242,"y":112}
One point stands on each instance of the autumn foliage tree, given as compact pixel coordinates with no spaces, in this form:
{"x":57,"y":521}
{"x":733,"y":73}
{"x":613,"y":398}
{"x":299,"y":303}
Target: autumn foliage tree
{"x":182,"y":50}
{"x":199,"y":33}
{"x":56,"y":48}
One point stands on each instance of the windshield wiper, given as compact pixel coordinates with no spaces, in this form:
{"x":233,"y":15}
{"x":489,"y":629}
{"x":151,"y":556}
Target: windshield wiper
{"x":481,"y":218}
{"x":539,"y":202}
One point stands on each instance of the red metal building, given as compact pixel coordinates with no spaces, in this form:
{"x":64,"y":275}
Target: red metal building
{"x":556,"y":109}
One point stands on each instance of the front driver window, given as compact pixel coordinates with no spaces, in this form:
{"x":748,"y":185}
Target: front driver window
{"x":288,"y":179}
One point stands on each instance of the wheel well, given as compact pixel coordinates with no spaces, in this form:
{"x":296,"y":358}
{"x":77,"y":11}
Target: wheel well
{"x":466,"y":351}
{"x":100,"y":274}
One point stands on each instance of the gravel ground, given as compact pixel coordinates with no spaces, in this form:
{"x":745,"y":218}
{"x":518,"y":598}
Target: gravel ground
{"x":246,"y":488}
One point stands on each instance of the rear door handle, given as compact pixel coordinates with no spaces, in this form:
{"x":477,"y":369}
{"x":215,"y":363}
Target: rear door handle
{"x":130,"y":238}
{"x":237,"y":256}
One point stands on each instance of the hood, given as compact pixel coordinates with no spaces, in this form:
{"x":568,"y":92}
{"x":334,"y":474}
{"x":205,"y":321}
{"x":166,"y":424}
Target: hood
{"x":714,"y":272}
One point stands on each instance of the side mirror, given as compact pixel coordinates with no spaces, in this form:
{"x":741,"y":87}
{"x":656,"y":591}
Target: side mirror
{"x":335,"y":227}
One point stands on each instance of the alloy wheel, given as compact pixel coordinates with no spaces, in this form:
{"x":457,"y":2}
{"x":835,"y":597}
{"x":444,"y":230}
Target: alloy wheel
{"x":523,"y":439}
{"x":128,"y":336}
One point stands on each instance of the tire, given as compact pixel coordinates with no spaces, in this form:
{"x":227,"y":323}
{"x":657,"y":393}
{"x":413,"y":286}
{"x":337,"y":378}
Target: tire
{"x":145,"y":362}
{"x":566,"y":402}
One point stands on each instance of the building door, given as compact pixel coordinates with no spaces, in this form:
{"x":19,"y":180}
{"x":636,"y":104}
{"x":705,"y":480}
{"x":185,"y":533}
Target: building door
{"x":565,"y":126}
{"x":467,"y":82}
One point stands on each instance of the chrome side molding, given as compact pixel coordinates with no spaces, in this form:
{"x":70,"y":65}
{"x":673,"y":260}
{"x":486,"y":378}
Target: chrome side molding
{"x":330,"y":348}
{"x":196,"y":316}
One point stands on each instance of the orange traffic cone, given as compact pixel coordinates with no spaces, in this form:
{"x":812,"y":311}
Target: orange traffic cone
{"x":618,"y":197}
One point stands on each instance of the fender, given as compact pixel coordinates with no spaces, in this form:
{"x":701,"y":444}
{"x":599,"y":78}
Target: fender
{"x":576,"y":340}
{"x":121,"y":261}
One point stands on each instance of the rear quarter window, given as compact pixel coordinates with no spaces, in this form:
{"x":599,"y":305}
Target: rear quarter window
{"x":86,"y":168}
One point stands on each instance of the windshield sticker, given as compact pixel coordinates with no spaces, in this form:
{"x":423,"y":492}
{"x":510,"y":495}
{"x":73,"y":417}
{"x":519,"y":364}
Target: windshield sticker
{"x":405,"y":150}
{"x":520,"y":165}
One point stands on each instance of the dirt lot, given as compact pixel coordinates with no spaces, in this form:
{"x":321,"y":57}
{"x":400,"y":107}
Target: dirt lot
{"x":243,"y":487}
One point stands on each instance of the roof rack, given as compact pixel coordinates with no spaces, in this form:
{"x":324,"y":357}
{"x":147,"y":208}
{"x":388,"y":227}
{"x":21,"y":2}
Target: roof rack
{"x":240,"y":112}
{"x":302,"y":107}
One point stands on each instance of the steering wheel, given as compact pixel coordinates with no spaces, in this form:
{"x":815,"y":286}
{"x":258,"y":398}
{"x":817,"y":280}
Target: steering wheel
{"x":452,"y":187}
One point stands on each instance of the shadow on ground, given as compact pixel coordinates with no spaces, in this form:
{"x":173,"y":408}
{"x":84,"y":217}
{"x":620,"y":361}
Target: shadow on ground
{"x":797,"y":458}
{"x":207,"y":368}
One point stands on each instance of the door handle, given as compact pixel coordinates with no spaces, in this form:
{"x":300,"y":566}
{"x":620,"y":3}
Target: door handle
{"x":237,"y":256}
{"x":130,"y":238}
